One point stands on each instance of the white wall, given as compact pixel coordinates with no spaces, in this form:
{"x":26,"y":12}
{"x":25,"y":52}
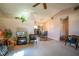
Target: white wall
{"x":53,"y":29}
{"x":74,"y":23}
{"x":1,"y":21}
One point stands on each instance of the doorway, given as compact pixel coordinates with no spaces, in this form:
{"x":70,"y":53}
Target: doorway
{"x":64,"y":28}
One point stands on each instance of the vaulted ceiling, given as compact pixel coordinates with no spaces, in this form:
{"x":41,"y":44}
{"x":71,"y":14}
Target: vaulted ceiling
{"x":12,"y":9}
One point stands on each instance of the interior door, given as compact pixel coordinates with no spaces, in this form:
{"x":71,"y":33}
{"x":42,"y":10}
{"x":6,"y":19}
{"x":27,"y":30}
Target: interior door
{"x":64,"y":28}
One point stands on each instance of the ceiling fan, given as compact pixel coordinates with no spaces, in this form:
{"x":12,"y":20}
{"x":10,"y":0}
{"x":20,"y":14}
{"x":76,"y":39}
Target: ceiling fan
{"x":44,"y":5}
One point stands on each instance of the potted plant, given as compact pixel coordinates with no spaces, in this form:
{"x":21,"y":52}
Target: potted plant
{"x":8,"y":33}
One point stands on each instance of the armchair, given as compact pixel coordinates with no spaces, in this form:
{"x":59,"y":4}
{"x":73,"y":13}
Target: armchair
{"x":32,"y":37}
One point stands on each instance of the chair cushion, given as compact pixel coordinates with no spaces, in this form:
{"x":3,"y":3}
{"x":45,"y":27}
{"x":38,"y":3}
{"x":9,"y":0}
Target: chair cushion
{"x":3,"y":50}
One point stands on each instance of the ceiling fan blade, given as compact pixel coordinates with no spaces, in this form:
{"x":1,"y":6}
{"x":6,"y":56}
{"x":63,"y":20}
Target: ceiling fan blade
{"x":17,"y":17}
{"x":76,"y":8}
{"x":36,"y":4}
{"x":44,"y":5}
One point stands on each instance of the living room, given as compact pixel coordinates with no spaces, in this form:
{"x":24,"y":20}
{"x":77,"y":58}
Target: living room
{"x":25,"y":19}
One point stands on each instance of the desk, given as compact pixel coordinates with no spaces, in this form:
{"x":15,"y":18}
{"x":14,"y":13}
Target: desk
{"x":76,"y":37}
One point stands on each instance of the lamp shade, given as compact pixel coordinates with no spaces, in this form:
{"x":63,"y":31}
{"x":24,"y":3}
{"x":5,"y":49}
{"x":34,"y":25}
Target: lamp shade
{"x":35,"y":27}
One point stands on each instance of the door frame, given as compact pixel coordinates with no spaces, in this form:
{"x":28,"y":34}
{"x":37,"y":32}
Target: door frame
{"x":64,"y":27}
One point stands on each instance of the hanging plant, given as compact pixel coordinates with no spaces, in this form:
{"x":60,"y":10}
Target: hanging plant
{"x":22,"y":18}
